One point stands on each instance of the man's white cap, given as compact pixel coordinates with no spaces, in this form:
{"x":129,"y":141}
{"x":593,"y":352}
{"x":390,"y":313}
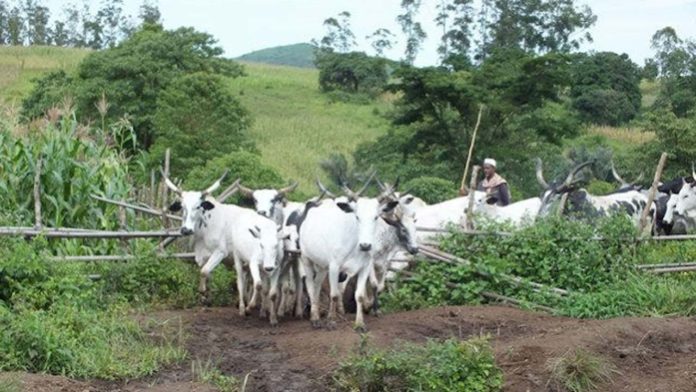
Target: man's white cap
{"x":490,"y":162}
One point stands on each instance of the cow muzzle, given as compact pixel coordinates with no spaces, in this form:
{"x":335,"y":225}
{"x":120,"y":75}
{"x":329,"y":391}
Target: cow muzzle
{"x":413,"y":250}
{"x":365,"y":247}
{"x":269,"y":269}
{"x":186,"y":231}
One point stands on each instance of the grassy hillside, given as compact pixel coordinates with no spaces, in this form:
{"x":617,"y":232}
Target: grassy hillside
{"x":19,"y":65}
{"x":297,"y":55}
{"x":296,"y":126}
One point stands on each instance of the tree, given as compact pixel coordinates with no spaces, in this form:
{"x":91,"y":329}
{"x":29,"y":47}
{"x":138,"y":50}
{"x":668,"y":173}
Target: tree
{"x":73,"y":29}
{"x":150,"y":13}
{"x":339,"y":37}
{"x":411,"y":28}
{"x":15,"y":27}
{"x":351,"y":72}
{"x":670,"y":52}
{"x":650,"y":70}
{"x":113,"y":22}
{"x":539,"y":26}
{"x":199,"y":119}
{"x":456,"y":39}
{"x":382,"y":39}
{"x":36,"y":18}
{"x":676,"y":60}
{"x":606,"y":88}
{"x":134,"y":73}
{"x":4,"y":15}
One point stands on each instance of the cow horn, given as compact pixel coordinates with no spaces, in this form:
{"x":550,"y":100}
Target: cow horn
{"x":216,"y":184}
{"x":575,"y":171}
{"x":170,"y":184}
{"x":540,"y":174}
{"x":231,"y":190}
{"x":247,"y":192}
{"x":381,"y":185}
{"x":616,"y":175}
{"x":349,"y":192}
{"x":288,"y":189}
{"x":323,"y":191}
{"x":639,"y":178}
{"x":367,"y":183}
{"x":693,"y":172}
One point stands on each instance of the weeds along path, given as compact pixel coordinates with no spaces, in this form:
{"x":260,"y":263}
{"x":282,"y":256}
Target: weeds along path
{"x":650,"y":354}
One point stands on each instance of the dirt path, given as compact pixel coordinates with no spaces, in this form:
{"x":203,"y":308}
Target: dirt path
{"x":651,"y":354}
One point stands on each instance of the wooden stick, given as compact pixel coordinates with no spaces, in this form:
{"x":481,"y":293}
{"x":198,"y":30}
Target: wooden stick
{"x":153,"y":190}
{"x":37,"y":195}
{"x":668,"y":270}
{"x":652,"y":192}
{"x":185,"y":256}
{"x":470,"y":210}
{"x":66,"y":233}
{"x":166,"y":242}
{"x":165,"y":190}
{"x":471,"y":148}
{"x":147,"y":210}
{"x":665,"y":265}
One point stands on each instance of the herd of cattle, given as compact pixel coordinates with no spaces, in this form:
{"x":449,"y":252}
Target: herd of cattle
{"x":289,"y":248}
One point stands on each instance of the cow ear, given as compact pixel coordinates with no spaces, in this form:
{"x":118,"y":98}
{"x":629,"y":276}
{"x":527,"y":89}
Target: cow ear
{"x":491,"y":200}
{"x":175,"y":207}
{"x":345,"y":207}
{"x":207,"y":205}
{"x":255,"y":231}
{"x":409,"y":200}
{"x":389,"y":221}
{"x":390,"y":206}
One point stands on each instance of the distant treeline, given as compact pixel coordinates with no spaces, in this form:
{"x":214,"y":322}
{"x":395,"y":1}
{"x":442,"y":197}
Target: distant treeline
{"x":31,"y":22}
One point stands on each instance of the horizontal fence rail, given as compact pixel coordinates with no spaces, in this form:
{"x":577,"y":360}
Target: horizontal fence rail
{"x":82,"y":233}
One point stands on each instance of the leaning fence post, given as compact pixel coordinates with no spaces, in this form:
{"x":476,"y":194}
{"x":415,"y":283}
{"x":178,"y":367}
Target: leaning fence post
{"x":472,"y":190}
{"x":37,"y":195}
{"x":652,"y":192}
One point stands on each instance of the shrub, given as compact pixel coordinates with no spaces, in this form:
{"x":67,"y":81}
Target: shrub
{"x":199,"y":119}
{"x":605,"y":107}
{"x":450,"y":365}
{"x":431,"y":189}
{"x":352,"y":72}
{"x":579,"y":371}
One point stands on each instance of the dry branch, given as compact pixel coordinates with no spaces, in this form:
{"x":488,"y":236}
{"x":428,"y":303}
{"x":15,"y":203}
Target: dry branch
{"x":652,"y":192}
{"x":186,"y":256}
{"x":165,"y":189}
{"x":664,"y":265}
{"x":670,"y":270}
{"x":37,"y":195}
{"x":68,"y":233}
{"x":147,"y":210}
{"x":471,"y":148}
{"x":470,"y":211}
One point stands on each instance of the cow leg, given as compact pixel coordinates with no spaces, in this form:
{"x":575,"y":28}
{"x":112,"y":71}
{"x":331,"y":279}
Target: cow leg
{"x":273,"y":296}
{"x":209,"y":266}
{"x":312,"y":293}
{"x":241,"y":285}
{"x":299,"y":289}
{"x":334,"y":294}
{"x":342,"y":289}
{"x":380,"y":275}
{"x":257,"y":286}
{"x":265,"y":299}
{"x":363,"y":276}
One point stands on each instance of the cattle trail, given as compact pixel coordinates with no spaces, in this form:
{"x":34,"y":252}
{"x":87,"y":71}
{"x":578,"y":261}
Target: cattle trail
{"x":651,"y":354}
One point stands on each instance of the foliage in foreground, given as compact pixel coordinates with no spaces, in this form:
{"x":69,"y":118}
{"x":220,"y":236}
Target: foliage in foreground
{"x":558,"y":253}
{"x":57,"y":320}
{"x":450,"y":365}
{"x":579,"y":371}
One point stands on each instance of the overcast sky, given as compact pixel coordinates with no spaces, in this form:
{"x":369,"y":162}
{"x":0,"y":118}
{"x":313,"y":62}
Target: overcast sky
{"x":241,"y":26}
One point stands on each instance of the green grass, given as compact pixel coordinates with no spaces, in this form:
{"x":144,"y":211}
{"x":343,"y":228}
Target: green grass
{"x":579,"y":371}
{"x":19,"y":65}
{"x":649,"y":90}
{"x":296,"y":127}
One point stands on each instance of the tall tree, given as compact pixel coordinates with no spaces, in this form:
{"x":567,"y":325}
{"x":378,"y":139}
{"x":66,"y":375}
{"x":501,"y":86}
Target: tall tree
{"x":36,"y":19}
{"x":150,"y":13}
{"x":411,"y":28}
{"x":382,"y":39}
{"x":457,"y":36}
{"x":15,"y":27}
{"x":671,"y":54}
{"x":539,"y":26}
{"x":4,"y":14}
{"x":59,"y":35}
{"x":339,"y":36}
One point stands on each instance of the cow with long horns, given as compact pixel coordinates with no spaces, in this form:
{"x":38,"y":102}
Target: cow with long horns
{"x":233,"y":235}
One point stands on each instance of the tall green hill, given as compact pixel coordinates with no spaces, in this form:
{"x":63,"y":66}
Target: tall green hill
{"x":296,"y":55}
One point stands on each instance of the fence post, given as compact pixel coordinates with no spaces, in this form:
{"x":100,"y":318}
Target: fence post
{"x":472,"y":190}
{"x":165,"y":190}
{"x":37,"y":194}
{"x":471,"y":148}
{"x":651,"y":194}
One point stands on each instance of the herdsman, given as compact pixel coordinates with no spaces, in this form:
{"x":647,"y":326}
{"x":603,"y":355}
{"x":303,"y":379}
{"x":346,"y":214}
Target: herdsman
{"x":493,"y":184}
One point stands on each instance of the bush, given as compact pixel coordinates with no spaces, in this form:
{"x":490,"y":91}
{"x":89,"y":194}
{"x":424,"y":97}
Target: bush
{"x":353,"y":72}
{"x":605,"y":107}
{"x":579,"y":371}
{"x":432,"y":189}
{"x":450,"y":365}
{"x":132,"y":75}
{"x":199,"y":119}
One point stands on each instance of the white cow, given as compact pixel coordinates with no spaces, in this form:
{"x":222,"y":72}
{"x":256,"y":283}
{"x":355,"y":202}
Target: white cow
{"x":272,"y":203}
{"x":335,"y":237}
{"x":225,"y":232}
{"x":518,"y":214}
{"x":681,"y":208}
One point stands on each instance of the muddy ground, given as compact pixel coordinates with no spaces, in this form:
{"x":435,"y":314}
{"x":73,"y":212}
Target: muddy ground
{"x":651,"y":354}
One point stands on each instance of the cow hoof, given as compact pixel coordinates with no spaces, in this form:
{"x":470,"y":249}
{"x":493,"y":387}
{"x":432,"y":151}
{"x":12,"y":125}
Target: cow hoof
{"x":316,"y":324}
{"x":248,"y":311}
{"x":360,"y":328}
{"x":331,"y":325}
{"x":377,"y":313}
{"x":242,"y":312}
{"x":204,"y":301}
{"x":274,"y":323}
